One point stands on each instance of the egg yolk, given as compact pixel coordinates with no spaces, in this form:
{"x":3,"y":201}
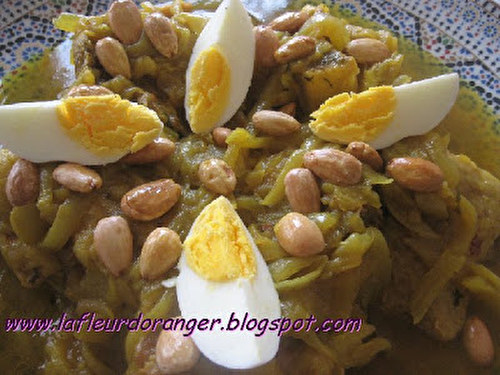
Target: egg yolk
{"x":209,"y":91}
{"x":108,"y":125}
{"x":219,"y":247}
{"x":355,"y":117}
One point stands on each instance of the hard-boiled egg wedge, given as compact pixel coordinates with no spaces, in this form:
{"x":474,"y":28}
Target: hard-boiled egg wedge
{"x":89,"y":130}
{"x":383,"y":115}
{"x":222,"y":272}
{"x":220,"y":68}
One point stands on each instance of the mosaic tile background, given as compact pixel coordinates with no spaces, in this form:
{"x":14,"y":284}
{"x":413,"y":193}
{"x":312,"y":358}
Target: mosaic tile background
{"x":465,"y":34}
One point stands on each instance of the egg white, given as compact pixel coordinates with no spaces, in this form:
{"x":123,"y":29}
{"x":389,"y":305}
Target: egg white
{"x":231,"y":29}
{"x":33,"y":131}
{"x":420,"y":107}
{"x":200,"y":298}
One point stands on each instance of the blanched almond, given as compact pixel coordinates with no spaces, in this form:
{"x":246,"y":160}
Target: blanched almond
{"x":416,"y":174}
{"x":161,"y":34}
{"x":275,"y":123}
{"x":478,"y":342}
{"x":152,"y":200}
{"x":365,"y":154}
{"x":296,"y":48}
{"x":89,"y":90}
{"x":217,"y":176}
{"x":158,"y":150}
{"x":299,"y":236}
{"x":368,"y":51}
{"x":113,"y":57}
{"x":220,"y":135}
{"x":160,"y":252}
{"x":175,"y":352}
{"x":302,"y":191}
{"x":23,"y":183}
{"x":290,"y":21}
{"x":113,"y":244}
{"x":334,"y":166}
{"x":125,"y":21}
{"x":76,"y":177}
{"x":266,"y":44}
